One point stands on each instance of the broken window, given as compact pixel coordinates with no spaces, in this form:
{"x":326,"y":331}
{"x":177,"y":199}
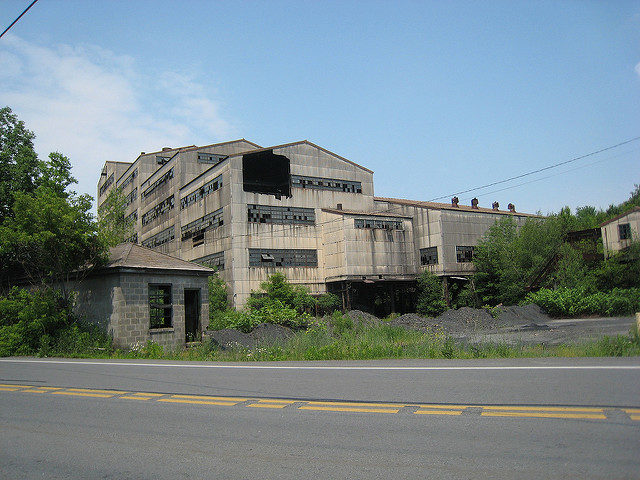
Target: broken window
{"x":201,"y":192}
{"x":282,"y":215}
{"x":160,"y":307}
{"x":211,"y":158}
{"x":106,"y":185}
{"x":161,"y":160}
{"x":464,"y":254}
{"x":283,"y":257}
{"x":132,"y":239}
{"x":128,"y":200}
{"x":624,"y":231}
{"x":163,"y":207}
{"x":429,"y":256}
{"x":161,"y":238}
{"x":319,"y":183}
{"x":215,"y":260}
{"x":133,"y":217}
{"x":129,"y":179}
{"x":377,"y":223}
{"x":199,"y":226}
{"x":158,"y":183}
{"x":268,"y":173}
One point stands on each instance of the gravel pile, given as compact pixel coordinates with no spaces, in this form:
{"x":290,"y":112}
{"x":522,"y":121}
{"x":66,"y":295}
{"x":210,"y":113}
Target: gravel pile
{"x":364,"y":318}
{"x":526,"y":314}
{"x":263,"y":334}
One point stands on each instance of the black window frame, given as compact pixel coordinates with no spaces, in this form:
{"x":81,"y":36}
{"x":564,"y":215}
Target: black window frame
{"x":464,"y":253}
{"x":429,"y":256}
{"x":160,"y":306}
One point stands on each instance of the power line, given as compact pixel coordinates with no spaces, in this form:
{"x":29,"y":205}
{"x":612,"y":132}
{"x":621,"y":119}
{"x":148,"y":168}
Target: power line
{"x":19,"y":17}
{"x":539,"y":170}
{"x":556,"y":174}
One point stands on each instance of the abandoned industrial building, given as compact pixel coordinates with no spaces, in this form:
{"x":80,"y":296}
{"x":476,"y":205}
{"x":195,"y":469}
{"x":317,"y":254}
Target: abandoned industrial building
{"x":297,"y":208}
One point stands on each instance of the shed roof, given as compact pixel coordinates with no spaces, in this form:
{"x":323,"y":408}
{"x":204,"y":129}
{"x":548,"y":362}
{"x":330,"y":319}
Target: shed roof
{"x":622,"y":215}
{"x":129,"y":255}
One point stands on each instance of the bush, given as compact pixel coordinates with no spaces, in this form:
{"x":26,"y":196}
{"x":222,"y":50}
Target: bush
{"x":430,"y":295}
{"x":217,"y":294}
{"x":328,"y":303}
{"x":571,"y":302}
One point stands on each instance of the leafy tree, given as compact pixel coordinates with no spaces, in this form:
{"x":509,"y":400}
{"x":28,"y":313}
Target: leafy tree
{"x":19,"y":164}
{"x":113,"y":226}
{"x":217,"y":294}
{"x":430,"y":295}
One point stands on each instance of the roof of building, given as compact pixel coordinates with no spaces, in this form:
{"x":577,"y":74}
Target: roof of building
{"x":363,"y":213}
{"x":305,"y":142}
{"x":618,"y":217}
{"x":129,"y":255}
{"x":448,"y":206}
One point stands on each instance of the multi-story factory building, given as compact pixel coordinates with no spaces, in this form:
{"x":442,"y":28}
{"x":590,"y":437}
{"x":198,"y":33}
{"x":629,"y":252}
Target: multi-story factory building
{"x":295,"y":208}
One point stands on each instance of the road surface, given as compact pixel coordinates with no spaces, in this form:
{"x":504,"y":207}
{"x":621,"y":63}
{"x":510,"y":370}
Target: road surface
{"x":523,"y":418}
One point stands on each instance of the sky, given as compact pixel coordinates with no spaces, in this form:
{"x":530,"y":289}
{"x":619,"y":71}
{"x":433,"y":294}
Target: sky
{"x":435,"y":97}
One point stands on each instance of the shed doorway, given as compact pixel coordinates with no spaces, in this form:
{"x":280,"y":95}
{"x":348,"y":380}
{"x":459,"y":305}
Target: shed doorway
{"x":192,"y":315}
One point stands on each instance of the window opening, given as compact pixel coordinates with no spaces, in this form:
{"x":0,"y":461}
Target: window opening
{"x":106,"y":185}
{"x":624,"y":231}
{"x":464,"y":254}
{"x":201,"y":192}
{"x":215,"y":260}
{"x":282,"y":257}
{"x":211,"y":158}
{"x":129,"y":179}
{"x":429,"y":256}
{"x":199,"y":226}
{"x":267,"y":173}
{"x":158,"y":183}
{"x":319,"y":183}
{"x":160,"y":306}
{"x":161,"y":238}
{"x":161,"y":208}
{"x":379,"y":224}
{"x":281,"y":215}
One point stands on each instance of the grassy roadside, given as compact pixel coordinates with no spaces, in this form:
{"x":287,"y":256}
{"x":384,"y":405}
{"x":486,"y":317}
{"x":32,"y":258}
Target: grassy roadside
{"x":366,"y":343}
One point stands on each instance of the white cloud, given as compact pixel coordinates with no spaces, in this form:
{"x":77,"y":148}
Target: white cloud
{"x":93,"y":105}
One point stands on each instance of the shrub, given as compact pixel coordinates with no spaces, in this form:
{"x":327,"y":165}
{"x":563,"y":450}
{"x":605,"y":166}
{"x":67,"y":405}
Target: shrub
{"x":430,"y":301}
{"x":571,"y":302}
{"x":327,"y":303}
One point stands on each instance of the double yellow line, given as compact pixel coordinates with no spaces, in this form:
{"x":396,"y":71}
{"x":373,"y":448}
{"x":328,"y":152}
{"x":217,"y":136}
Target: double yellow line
{"x":590,"y":413}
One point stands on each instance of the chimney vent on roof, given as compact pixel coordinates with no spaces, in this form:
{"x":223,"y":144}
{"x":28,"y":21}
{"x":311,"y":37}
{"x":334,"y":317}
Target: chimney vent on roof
{"x":454,"y":201}
{"x":339,"y":206}
{"x":164,"y":149}
{"x":495,"y":205}
{"x":141,"y":153}
{"x":474,"y":203}
{"x":512,"y":208}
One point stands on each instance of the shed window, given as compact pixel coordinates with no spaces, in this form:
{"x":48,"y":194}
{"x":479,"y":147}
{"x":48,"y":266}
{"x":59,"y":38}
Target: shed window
{"x":624,"y":231}
{"x":160,"y":306}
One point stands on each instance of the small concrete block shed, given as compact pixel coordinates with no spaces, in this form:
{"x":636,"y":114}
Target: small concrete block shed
{"x":143,"y":295}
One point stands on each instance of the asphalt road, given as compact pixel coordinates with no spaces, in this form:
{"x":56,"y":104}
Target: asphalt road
{"x":526,"y":418}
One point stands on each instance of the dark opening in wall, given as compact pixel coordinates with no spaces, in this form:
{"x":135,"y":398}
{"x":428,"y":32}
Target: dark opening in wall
{"x":266,"y":172}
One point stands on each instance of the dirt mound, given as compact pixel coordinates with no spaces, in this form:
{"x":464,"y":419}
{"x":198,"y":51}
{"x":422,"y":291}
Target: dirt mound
{"x":270,"y":333}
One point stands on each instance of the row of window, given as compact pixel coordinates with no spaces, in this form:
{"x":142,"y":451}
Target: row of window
{"x":429,"y":255}
{"x":375,"y":223}
{"x":163,"y":207}
{"x":106,"y":185}
{"x":199,"y":226}
{"x":133,"y":217}
{"x":129,"y":179}
{"x":201,"y":192}
{"x":320,"y":183}
{"x":160,"y":238}
{"x":215,"y":260}
{"x":211,"y":158}
{"x":162,"y":159}
{"x":158,"y":183}
{"x":464,"y":254}
{"x":281,"y":257}
{"x":129,"y":199}
{"x":282,"y":215}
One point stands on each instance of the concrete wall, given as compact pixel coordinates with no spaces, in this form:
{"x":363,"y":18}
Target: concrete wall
{"x":611,"y":234}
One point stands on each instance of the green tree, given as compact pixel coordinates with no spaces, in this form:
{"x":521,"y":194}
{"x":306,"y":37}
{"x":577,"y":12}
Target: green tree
{"x":217,"y":295}
{"x":19,"y":164}
{"x":113,"y":226}
{"x":430,"y":295}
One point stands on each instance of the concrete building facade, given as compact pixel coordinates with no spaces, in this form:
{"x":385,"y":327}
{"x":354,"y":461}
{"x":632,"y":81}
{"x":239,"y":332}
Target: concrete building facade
{"x":295,"y":208}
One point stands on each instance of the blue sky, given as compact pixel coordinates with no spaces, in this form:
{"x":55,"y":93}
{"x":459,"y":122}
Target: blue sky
{"x":435,"y":97}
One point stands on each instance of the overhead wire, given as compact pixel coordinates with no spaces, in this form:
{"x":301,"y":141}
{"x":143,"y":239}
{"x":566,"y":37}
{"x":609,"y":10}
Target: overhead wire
{"x":19,"y":17}
{"x":555,"y":165}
